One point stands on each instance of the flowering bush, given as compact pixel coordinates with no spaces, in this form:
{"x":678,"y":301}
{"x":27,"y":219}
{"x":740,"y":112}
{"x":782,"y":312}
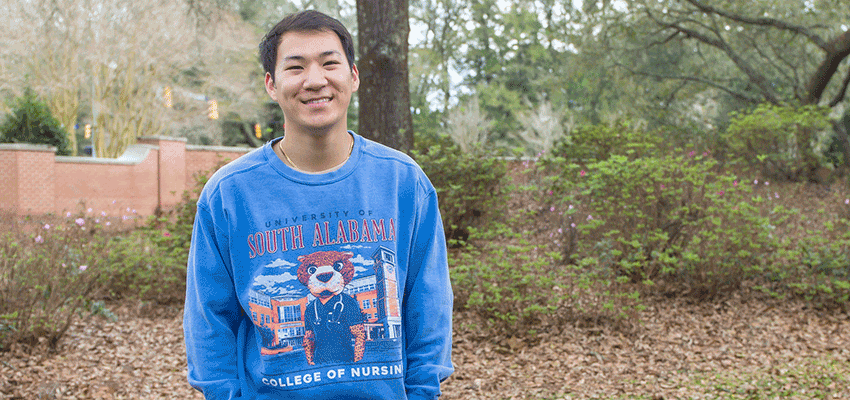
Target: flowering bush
{"x":49,"y":273}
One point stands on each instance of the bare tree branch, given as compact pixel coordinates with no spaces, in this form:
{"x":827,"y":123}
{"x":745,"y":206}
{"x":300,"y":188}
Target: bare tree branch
{"x":734,"y":93}
{"x":756,"y":78}
{"x":836,"y":51}
{"x":839,"y":97}
{"x":769,"y":22}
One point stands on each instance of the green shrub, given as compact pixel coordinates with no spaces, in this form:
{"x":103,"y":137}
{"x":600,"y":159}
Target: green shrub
{"x":671,"y":219}
{"x":593,"y":143}
{"x":471,"y":186}
{"x":31,"y":122}
{"x":49,"y":272}
{"x":784,"y":141}
{"x":519,"y":287}
{"x":813,"y":263}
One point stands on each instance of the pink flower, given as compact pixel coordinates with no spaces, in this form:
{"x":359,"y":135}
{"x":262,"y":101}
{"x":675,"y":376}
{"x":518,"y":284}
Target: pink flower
{"x":662,"y":186}
{"x":103,"y":213}
{"x":721,"y":193}
{"x":39,"y":239}
{"x":846,"y":201}
{"x":46,"y":226}
{"x":83,"y":267}
{"x":166,"y":234}
{"x":552,"y":208}
{"x":735,"y":183}
{"x":97,"y":220}
{"x":560,"y":230}
{"x":80,"y":221}
{"x":583,"y":173}
{"x":68,"y":214}
{"x":573,"y":225}
{"x":767,"y":183}
{"x":705,"y":153}
{"x":692,"y":153}
{"x":89,"y":210}
{"x":570,"y":207}
{"x":589,"y":217}
{"x":776,"y":195}
{"x":108,"y":223}
{"x":756,"y":182}
{"x":549,"y":193}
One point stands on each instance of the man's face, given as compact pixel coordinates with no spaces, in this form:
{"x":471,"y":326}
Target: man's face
{"x":313,"y":82}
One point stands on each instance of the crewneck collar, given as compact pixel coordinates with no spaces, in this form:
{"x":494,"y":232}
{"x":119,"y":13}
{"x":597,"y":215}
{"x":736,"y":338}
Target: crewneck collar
{"x":318,"y":178}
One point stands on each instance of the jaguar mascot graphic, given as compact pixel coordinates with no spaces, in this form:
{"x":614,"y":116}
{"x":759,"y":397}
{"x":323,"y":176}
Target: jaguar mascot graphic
{"x":334,"y":329}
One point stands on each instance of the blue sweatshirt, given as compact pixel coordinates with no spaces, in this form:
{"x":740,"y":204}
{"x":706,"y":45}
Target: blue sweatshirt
{"x":318,"y":286}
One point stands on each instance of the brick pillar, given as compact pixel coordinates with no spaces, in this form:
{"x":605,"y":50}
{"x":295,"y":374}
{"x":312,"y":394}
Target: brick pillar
{"x":171,"y":168}
{"x":27,"y":178}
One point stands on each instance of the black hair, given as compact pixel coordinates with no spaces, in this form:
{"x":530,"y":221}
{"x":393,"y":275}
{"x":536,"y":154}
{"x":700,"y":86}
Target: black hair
{"x":304,"y":21}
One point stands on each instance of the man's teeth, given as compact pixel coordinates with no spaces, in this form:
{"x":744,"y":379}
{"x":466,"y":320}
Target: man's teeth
{"x":317,"y":101}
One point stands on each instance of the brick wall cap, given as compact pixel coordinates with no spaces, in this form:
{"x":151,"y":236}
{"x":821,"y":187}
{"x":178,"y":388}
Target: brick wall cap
{"x":234,"y":149}
{"x":164,"y":138}
{"x":135,"y":154}
{"x":27,"y":147}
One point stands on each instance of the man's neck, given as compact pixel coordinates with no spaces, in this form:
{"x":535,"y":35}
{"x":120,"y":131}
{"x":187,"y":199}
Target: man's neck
{"x":308,"y":152}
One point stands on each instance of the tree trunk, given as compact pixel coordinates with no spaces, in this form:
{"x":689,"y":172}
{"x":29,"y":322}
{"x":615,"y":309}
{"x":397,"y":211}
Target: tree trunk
{"x":384,"y":94}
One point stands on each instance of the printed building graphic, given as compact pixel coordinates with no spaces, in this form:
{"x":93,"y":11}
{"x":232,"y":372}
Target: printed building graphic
{"x":281,"y":319}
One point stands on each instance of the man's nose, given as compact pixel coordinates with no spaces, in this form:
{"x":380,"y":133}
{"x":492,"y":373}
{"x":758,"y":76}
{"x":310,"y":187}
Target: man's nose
{"x":315,"y":77}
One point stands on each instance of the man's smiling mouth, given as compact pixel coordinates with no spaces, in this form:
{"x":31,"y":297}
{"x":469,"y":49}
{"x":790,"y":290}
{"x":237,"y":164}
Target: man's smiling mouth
{"x":318,"y":101}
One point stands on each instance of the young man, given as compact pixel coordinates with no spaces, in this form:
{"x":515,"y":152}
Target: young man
{"x":318,"y":267}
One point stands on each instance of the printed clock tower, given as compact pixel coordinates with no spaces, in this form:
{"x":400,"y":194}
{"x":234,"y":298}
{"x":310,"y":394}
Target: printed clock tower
{"x":386,"y":283}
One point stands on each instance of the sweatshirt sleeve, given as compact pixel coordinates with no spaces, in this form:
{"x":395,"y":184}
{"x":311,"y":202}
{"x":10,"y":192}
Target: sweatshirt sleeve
{"x":211,"y":313}
{"x":427,"y":305}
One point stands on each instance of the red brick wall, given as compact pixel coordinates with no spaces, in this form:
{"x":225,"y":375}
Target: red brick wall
{"x":108,"y":186}
{"x":8,"y":180}
{"x":149,"y":175}
{"x":201,"y":159}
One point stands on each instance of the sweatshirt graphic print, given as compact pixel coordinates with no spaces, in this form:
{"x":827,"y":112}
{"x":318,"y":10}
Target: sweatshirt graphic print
{"x":329,"y":307}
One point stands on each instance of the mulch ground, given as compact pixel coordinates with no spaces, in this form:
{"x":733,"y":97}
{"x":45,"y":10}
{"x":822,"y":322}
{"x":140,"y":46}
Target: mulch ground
{"x":141,"y":356}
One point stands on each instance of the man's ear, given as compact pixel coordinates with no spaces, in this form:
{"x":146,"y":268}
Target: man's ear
{"x":270,"y":89}
{"x":356,"y":76}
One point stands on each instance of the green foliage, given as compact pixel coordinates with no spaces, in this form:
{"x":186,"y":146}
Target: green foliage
{"x":470,"y":185}
{"x":31,"y":122}
{"x":670,"y":219}
{"x":783,"y":141}
{"x":591,"y":143}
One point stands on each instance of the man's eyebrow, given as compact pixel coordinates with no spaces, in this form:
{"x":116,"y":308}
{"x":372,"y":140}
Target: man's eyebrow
{"x":321,"y":55}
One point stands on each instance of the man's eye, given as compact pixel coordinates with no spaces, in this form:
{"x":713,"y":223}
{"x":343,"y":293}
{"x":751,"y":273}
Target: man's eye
{"x":311,"y":270}
{"x":338,"y":266}
{"x":293,"y":67}
{"x":332,"y":63}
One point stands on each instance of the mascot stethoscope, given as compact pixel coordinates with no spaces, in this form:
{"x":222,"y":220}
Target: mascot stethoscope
{"x":333,"y":315}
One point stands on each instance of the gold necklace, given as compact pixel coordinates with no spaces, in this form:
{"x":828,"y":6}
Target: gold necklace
{"x":280,"y":146}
